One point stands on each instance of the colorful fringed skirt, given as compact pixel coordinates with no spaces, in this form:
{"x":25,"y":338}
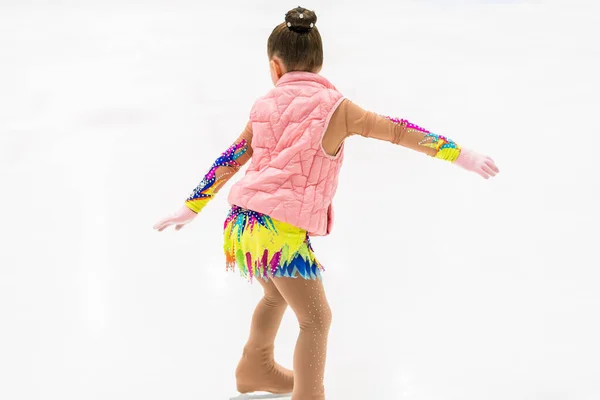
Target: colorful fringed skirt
{"x":260,"y":246}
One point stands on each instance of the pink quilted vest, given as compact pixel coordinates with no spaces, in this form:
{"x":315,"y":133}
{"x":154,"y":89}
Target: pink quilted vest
{"x":290,"y":177}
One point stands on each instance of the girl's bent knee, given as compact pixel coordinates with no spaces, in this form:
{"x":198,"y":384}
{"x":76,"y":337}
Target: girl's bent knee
{"x":274,"y":300}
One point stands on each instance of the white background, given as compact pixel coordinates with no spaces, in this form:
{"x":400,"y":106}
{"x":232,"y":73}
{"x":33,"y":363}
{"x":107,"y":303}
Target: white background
{"x":443,"y":286}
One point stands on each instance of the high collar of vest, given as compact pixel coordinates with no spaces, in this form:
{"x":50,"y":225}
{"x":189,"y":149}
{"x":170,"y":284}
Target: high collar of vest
{"x":301,"y":77}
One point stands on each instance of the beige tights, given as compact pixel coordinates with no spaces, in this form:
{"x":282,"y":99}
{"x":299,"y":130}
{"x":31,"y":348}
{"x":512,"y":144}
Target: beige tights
{"x":257,"y":370}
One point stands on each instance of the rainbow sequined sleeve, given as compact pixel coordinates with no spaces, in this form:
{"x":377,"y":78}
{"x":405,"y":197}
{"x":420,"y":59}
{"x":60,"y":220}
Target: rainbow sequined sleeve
{"x":222,"y":169}
{"x":445,"y":148}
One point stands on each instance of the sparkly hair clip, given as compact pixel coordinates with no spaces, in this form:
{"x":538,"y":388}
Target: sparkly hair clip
{"x":291,"y":27}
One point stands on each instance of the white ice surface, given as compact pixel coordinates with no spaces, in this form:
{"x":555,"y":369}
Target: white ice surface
{"x":443,"y":286}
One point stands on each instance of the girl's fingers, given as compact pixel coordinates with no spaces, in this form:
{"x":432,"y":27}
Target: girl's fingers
{"x":178,"y":227}
{"x":163,"y":224}
{"x":488,"y":170}
{"x":167,"y":220}
{"x":482,"y":174}
{"x":492,"y":165}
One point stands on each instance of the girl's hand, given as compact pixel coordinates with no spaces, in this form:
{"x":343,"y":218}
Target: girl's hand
{"x":179,"y":219}
{"x":478,"y":163}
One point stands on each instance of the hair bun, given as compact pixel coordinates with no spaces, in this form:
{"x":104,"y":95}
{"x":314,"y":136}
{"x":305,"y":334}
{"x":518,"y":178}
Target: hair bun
{"x":300,"y":19}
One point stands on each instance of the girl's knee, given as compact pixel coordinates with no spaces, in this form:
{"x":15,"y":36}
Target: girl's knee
{"x":318,"y":318}
{"x":274,"y":299}
{"x":326,"y":314}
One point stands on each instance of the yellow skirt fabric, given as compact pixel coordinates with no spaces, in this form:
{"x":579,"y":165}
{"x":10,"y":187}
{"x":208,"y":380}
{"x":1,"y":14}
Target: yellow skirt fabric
{"x":259,"y":246}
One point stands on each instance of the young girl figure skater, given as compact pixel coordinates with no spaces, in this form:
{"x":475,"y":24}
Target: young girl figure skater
{"x":294,"y":141}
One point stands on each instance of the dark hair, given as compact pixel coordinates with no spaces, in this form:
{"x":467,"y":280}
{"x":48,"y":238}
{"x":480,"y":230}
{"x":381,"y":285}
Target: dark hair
{"x":297,"y":41}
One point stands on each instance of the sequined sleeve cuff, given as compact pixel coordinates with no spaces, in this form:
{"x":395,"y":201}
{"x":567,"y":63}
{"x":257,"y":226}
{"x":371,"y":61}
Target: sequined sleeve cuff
{"x":445,"y":148}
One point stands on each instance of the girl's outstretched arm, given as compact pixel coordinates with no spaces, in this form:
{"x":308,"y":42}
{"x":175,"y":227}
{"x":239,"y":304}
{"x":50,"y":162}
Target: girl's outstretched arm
{"x":220,"y":172}
{"x":349,"y":119}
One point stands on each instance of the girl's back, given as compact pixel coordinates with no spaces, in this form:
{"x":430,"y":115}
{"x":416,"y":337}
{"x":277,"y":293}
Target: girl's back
{"x":290,"y":177}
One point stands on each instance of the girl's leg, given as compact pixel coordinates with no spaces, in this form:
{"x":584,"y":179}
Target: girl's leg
{"x":307,"y":300}
{"x":257,"y":370}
